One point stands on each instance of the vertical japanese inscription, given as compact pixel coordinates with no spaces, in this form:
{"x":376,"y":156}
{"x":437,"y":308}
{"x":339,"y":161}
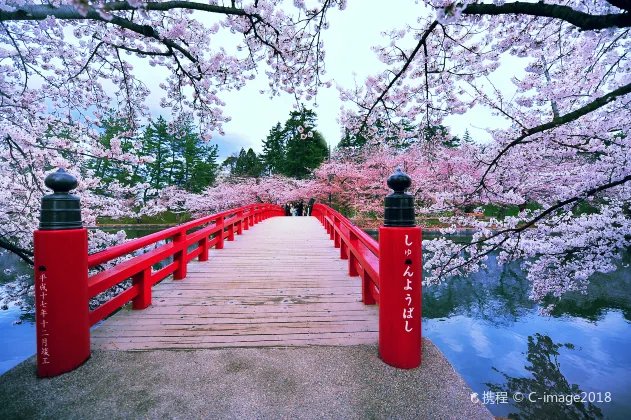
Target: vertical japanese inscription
{"x":43,"y":304}
{"x":407,"y":275}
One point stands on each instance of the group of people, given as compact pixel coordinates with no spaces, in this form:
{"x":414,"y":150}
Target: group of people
{"x":297,"y":209}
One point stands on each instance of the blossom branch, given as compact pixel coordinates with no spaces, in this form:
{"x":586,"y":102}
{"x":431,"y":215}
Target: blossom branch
{"x":581,"y":20}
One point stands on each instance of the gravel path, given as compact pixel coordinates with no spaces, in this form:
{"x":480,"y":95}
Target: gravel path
{"x":347,"y":382}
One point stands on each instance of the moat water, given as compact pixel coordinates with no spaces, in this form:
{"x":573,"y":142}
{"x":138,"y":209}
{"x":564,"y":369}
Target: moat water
{"x":492,"y":334}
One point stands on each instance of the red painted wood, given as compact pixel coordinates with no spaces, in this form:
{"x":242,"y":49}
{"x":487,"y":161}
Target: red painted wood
{"x":113,"y":304}
{"x":368,"y":285}
{"x":179,"y":240}
{"x":63,"y":287}
{"x":400,"y":296}
{"x":143,"y":280}
{"x":61,"y":300}
{"x":190,"y":256}
{"x":203,"y":245}
{"x":220,"y":237}
{"x":163,"y":272}
{"x":102,"y":281}
{"x":240,"y":223}
{"x":343,"y":250}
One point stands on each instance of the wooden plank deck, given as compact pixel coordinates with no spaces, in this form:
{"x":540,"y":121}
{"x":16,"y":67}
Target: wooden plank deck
{"x":280,"y":284}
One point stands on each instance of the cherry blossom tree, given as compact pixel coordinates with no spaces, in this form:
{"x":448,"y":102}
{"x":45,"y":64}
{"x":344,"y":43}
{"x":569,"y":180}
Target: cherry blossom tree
{"x":66,"y":64}
{"x":231,"y":193}
{"x":567,"y":144}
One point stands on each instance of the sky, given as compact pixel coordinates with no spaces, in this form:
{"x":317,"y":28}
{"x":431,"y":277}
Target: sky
{"x":349,"y":58}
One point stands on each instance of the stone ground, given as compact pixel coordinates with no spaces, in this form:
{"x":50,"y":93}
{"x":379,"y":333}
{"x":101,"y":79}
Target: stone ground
{"x":348,"y":382}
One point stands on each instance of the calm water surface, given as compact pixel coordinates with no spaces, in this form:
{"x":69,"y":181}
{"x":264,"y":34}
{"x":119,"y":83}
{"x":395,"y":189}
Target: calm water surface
{"x":491,"y":333}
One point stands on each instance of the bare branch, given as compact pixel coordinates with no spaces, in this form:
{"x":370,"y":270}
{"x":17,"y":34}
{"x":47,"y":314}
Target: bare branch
{"x":581,"y":20}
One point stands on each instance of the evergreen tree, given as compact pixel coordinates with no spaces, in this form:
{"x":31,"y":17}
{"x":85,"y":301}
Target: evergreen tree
{"x":247,"y":164}
{"x":439,"y":134}
{"x":197,"y":167}
{"x":351,"y":141}
{"x":306,"y":147}
{"x":273,"y":155}
{"x":467,"y":137}
{"x":230,"y":163}
{"x":181,"y":158}
{"x":110,"y":170}
{"x":156,"y":142}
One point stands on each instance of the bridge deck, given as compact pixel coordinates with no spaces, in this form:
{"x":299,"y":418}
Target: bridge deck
{"x":280,"y":284}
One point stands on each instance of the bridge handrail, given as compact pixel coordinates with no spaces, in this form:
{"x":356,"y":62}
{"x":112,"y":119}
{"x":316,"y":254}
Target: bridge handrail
{"x":116,"y":251}
{"x":139,"y":268}
{"x":356,"y":246}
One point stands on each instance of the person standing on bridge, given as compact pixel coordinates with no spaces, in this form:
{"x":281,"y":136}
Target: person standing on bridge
{"x":287,"y":210}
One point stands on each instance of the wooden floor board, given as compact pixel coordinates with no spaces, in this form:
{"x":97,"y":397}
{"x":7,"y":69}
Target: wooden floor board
{"x":279,"y":284}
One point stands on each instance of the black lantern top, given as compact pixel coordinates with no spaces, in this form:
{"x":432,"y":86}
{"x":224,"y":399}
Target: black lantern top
{"x":60,"y":210}
{"x":399,"y":204}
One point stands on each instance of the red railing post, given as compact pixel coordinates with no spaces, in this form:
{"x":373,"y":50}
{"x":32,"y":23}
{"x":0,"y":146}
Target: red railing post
{"x":246,"y":220}
{"x":343,"y":250}
{"x":331,"y":227}
{"x":336,"y":234}
{"x":231,"y":232}
{"x":203,"y":244}
{"x":367,"y":296}
{"x":352,"y":260}
{"x":180,"y":256}
{"x":220,"y":223}
{"x":61,"y":280}
{"x":400,"y":278}
{"x":143,"y":280}
{"x":240,"y":223}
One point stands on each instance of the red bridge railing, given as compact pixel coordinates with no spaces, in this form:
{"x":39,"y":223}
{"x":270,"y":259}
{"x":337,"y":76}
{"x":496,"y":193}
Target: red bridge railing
{"x":390,"y":270}
{"x":356,"y":246}
{"x":221,"y":226}
{"x":63,"y":286}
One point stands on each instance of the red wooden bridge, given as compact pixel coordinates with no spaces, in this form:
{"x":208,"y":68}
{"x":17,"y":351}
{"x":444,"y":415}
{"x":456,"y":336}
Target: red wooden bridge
{"x":279,"y":284}
{"x":259,"y":280}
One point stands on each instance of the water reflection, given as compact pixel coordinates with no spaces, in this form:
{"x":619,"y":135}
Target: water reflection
{"x":546,"y":393}
{"x":490,"y":331}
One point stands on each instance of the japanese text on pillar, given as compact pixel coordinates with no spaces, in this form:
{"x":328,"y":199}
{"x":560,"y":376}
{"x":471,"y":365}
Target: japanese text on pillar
{"x":43,"y":322}
{"x":407,"y":276}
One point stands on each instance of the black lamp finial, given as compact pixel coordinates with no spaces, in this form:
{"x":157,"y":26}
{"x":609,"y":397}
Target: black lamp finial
{"x":399,"y":204}
{"x":60,"y":210}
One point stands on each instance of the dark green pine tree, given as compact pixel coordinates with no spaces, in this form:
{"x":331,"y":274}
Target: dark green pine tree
{"x":247,"y":164}
{"x":273,"y":155}
{"x":304,"y":152}
{"x":156,"y":142}
{"x":230,"y":163}
{"x":110,"y":170}
{"x":467,"y":137}
{"x":196,"y":160}
{"x":351,"y":141}
{"x":439,"y":134}
{"x":204,"y":172}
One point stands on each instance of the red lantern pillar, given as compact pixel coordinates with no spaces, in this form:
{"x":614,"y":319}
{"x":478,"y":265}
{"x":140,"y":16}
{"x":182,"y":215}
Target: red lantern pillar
{"x":61,"y":280}
{"x":400,"y":274}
